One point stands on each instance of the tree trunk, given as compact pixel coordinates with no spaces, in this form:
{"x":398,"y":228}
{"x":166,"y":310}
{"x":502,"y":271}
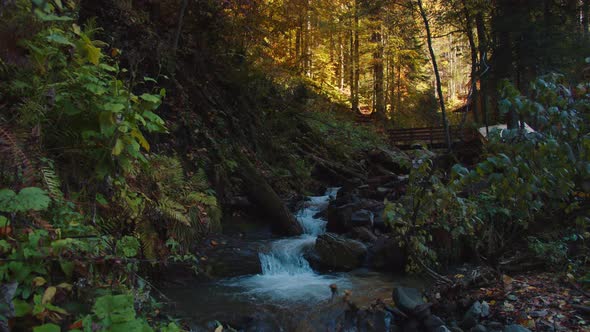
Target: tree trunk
{"x":585,"y":13}
{"x":264,"y":196}
{"x":378,"y":73}
{"x":356,"y":55}
{"x":353,"y":99}
{"x":483,"y":68}
{"x":474,"y":77}
{"x":441,"y":97}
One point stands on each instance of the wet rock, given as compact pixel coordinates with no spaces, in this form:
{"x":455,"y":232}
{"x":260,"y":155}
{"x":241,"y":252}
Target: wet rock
{"x":362,"y":234}
{"x":432,"y":323}
{"x":395,"y":161}
{"x":349,"y":211}
{"x":472,"y":316}
{"x":495,"y":326}
{"x":515,"y":328}
{"x":340,"y":253}
{"x":407,"y":299}
{"x":379,"y":223}
{"x":387,"y":255}
{"x":411,"y":325}
{"x":442,"y":329}
{"x":339,"y":218}
{"x":422,"y":312}
{"x":479,"y":328}
{"x":233,"y":260}
{"x":485,"y":309}
{"x":361,"y":218}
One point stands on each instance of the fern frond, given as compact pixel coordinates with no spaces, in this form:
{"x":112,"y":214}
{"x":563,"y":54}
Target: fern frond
{"x":173,"y":210}
{"x":199,"y":181}
{"x":50,"y":179}
{"x":15,"y":156}
{"x":149,"y":240}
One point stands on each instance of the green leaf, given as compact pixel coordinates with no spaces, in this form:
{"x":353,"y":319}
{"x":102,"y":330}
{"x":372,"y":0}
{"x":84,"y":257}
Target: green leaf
{"x":33,"y":198}
{"x":95,"y":89}
{"x":141,"y":139}
{"x":59,"y":39}
{"x":4,"y":246}
{"x":67,"y":267}
{"x":6,"y":198}
{"x":28,"y":199}
{"x":21,"y":308}
{"x":92,"y":52}
{"x":51,"y":17}
{"x":128,"y":246}
{"x":113,"y":107}
{"x":107,"y":67}
{"x":155,"y":99}
{"x":47,"y":328}
{"x":116,"y":308}
{"x":101,"y":199}
{"x":118,"y":148}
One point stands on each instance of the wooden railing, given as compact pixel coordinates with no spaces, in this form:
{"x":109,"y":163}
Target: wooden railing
{"x":431,"y":136}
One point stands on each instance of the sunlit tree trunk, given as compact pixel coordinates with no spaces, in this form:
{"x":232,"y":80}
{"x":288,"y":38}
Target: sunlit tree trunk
{"x":441,"y":98}
{"x":378,"y":72}
{"x":356,"y":61}
{"x":483,"y":68}
{"x":353,"y":97}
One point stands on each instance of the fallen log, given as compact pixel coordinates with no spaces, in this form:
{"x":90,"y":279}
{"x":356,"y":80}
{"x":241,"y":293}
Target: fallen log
{"x":262,"y":194}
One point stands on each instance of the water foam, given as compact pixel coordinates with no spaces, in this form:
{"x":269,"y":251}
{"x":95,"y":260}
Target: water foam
{"x":286,"y":274}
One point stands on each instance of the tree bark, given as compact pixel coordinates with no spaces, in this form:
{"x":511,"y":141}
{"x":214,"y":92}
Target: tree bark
{"x":474,"y":77}
{"x":483,"y":67}
{"x":441,"y":98}
{"x":378,"y":72}
{"x":261,"y":193}
{"x":353,"y":99}
{"x":585,"y":13}
{"x":356,"y":55}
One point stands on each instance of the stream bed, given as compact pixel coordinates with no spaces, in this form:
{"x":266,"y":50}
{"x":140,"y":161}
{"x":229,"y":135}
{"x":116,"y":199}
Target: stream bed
{"x":288,"y":295}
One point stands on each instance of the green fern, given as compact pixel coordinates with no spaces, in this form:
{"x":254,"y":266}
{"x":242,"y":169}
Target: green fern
{"x":50,"y":179}
{"x":199,"y":181}
{"x":173,"y":210}
{"x":203,"y":198}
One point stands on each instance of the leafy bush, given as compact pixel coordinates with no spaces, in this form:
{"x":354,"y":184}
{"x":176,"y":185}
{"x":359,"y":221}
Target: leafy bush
{"x":429,"y":204}
{"x":527,"y":177}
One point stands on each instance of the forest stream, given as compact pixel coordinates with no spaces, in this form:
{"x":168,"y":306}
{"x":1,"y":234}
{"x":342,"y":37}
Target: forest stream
{"x":288,"y":294}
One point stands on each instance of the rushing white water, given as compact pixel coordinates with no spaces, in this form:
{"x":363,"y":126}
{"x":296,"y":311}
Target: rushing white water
{"x":286,"y":274}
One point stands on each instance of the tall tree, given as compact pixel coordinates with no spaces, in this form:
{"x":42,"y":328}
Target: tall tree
{"x":473,"y":51}
{"x":441,"y":98}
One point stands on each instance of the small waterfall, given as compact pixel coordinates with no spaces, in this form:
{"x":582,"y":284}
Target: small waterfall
{"x":286,"y":274}
{"x":287,"y":255}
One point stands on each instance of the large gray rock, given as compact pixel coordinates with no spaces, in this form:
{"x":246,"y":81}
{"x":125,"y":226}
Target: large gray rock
{"x":362,"y":234}
{"x":340,"y":253}
{"x":407,"y":299}
{"x":231,"y":261}
{"x":394,"y":160}
{"x":339,"y":218}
